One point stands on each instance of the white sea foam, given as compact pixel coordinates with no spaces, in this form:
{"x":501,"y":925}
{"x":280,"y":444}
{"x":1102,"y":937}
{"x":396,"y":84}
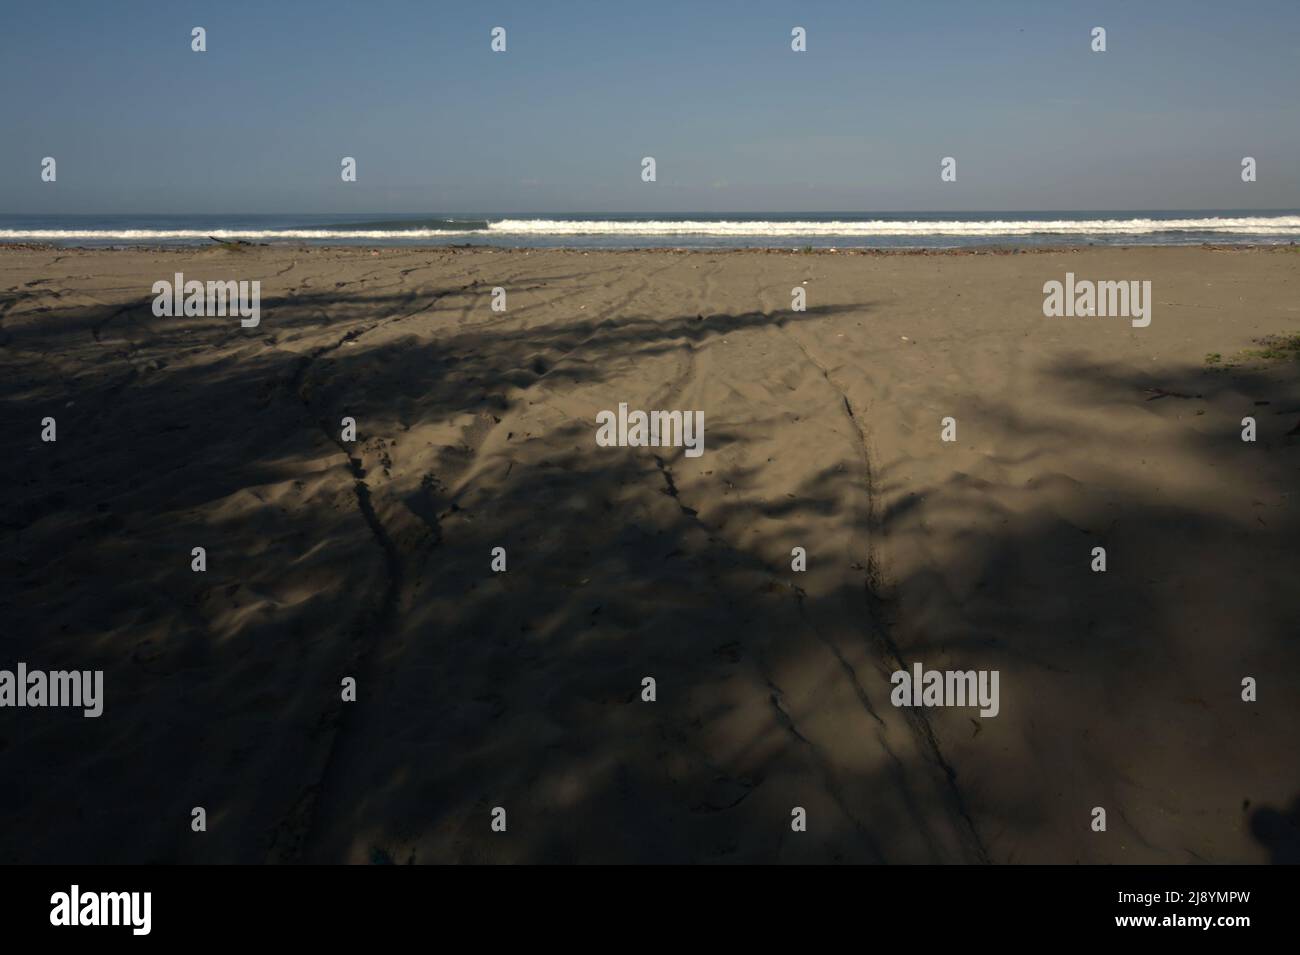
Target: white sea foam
{"x":250,"y":235}
{"x":1272,"y":225}
{"x":1251,"y":225}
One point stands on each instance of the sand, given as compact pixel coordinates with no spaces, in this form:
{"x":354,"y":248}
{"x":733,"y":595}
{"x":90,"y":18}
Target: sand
{"x":523,"y":689}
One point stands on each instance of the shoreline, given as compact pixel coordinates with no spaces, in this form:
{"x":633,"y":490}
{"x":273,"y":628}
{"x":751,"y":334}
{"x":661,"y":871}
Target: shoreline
{"x":768,"y":250}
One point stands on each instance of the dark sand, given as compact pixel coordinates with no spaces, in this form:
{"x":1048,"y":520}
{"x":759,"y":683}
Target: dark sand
{"x":522,"y":689}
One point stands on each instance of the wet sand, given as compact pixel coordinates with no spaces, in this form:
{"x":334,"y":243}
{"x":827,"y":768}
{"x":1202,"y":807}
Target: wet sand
{"x":523,"y":689}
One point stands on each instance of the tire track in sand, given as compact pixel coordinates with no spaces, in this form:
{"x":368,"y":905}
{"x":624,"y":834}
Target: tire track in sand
{"x":879,"y":608}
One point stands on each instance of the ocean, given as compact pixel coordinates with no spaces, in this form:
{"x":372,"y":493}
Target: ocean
{"x":897,"y":230}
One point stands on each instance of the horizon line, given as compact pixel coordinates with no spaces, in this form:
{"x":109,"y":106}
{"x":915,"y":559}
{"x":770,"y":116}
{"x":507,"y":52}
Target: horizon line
{"x":677,"y":212}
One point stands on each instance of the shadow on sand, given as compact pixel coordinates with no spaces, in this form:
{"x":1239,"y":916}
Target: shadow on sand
{"x":522,"y":689}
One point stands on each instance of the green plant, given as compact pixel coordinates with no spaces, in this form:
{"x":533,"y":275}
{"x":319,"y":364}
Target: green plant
{"x":1276,"y":348}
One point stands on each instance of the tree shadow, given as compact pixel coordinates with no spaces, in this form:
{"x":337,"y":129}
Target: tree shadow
{"x":524,"y":689}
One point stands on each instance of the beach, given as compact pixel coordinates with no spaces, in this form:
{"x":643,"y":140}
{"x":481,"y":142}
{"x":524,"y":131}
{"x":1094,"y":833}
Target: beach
{"x":523,"y":688}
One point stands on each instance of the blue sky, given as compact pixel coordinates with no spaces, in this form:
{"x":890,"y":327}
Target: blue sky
{"x":736,"y":121}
